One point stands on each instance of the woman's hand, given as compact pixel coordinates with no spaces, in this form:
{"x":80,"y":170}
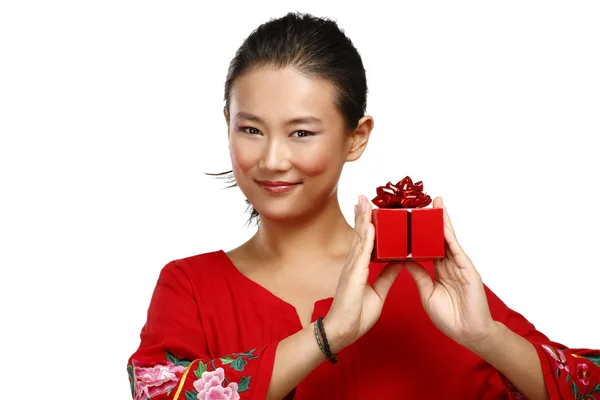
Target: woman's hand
{"x":357,"y":305}
{"x":455,"y":300}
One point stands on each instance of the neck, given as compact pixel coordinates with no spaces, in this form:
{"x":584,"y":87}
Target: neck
{"x":324,"y":234}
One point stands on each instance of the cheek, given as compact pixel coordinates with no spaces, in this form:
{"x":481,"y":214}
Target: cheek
{"x":325,"y":157}
{"x":242,"y":157}
{"x":317,"y":161}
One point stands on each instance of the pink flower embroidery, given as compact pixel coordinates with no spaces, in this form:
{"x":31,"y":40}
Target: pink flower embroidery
{"x":210,"y":386}
{"x":155,"y":380}
{"x":583,"y":374}
{"x":559,"y":357}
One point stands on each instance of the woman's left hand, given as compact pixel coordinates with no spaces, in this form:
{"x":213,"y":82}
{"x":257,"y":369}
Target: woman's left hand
{"x":455,"y":300}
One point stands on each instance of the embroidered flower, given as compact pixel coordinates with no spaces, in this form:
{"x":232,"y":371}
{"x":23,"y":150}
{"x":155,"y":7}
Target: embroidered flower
{"x":210,"y":386}
{"x":155,"y":380}
{"x":583,"y":374}
{"x":559,"y":357}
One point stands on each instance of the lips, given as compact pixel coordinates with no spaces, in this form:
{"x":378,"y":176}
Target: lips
{"x":277,"y":186}
{"x":277,"y":183}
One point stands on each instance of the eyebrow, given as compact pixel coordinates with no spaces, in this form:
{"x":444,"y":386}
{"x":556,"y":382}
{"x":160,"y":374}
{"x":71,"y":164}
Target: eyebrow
{"x":298,"y":120}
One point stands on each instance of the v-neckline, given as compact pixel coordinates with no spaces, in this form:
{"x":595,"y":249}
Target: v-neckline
{"x":320,"y":306}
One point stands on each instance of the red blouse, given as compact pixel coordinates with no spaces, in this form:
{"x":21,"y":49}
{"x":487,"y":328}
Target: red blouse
{"x":212,"y":333}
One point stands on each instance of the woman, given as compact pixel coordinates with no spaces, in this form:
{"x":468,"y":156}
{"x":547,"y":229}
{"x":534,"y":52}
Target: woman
{"x":247,"y":323}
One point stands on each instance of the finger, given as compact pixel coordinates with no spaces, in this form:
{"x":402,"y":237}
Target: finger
{"x":356,"y":271}
{"x":359,"y":222}
{"x":364,"y":220}
{"x":367,"y":211}
{"x":360,"y":233}
{"x":453,"y":245}
{"x":421,"y":278}
{"x":458,"y":256}
{"x":364,"y":238}
{"x":368,"y":222}
{"x":439,"y":203}
{"x":355,"y":244}
{"x":363,"y":258}
{"x":386,"y":278}
{"x":356,"y":237}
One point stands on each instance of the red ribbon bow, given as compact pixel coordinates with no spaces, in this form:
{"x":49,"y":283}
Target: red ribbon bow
{"x":404,"y":194}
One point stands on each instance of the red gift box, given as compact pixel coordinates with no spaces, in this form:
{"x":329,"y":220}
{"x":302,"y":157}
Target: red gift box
{"x":402,"y":229}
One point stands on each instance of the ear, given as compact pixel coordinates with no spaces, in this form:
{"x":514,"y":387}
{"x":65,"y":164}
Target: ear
{"x":359,"y":137}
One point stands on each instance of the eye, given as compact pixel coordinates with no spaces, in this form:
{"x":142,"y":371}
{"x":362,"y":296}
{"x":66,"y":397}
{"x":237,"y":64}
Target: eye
{"x":302,"y":133}
{"x":249,"y":130}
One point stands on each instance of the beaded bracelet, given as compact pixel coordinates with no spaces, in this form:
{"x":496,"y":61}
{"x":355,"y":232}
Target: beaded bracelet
{"x":324,"y":346}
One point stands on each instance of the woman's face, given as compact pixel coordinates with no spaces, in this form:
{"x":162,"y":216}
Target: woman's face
{"x":288,"y":142}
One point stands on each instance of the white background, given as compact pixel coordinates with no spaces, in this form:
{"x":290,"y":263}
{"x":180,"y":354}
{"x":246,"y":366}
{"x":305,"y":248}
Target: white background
{"x":111,"y":111}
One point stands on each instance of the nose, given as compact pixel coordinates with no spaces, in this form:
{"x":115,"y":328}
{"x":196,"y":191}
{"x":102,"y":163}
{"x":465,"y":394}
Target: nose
{"x":275,"y":156}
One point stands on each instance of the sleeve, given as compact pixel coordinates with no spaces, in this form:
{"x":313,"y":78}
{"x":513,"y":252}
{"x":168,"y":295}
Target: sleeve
{"x":172,"y":361}
{"x":568,"y":373}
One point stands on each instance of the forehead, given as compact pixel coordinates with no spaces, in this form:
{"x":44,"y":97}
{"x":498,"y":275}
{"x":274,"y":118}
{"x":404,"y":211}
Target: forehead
{"x":283,"y":93}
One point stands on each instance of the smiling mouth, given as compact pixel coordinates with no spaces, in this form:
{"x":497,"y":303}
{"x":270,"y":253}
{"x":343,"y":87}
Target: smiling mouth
{"x":277,"y":186}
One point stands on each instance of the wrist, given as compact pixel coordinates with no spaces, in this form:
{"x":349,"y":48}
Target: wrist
{"x":335,"y":338}
{"x":488,"y":341}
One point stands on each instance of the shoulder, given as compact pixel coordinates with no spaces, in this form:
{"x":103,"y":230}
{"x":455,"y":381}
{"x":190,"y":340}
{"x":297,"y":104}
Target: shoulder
{"x":201,"y":260}
{"x":198,"y":263}
{"x":196,"y":270}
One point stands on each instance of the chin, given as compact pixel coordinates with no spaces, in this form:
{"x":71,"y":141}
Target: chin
{"x":279,"y":213}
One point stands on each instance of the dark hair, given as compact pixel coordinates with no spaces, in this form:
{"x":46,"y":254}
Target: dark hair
{"x":315,"y":47}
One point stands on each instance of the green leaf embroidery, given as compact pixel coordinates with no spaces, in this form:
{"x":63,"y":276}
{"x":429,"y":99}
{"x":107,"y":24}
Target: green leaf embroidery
{"x":201,"y":368}
{"x":226,"y":360}
{"x":558,"y":372}
{"x":176,"y":361}
{"x":596,"y":388}
{"x":247,"y":354}
{"x":574,"y":389}
{"x":244,"y":383}
{"x":191,"y":395}
{"x":568,"y":377}
{"x":171,"y":357}
{"x":238,"y":364}
{"x":595,"y":359}
{"x":131,"y":377}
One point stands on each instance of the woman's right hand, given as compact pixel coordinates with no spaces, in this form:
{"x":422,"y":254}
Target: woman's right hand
{"x":357,"y":305}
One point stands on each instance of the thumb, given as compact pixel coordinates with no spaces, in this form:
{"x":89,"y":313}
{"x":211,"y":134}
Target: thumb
{"x":386,"y":278}
{"x":421,"y":278}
